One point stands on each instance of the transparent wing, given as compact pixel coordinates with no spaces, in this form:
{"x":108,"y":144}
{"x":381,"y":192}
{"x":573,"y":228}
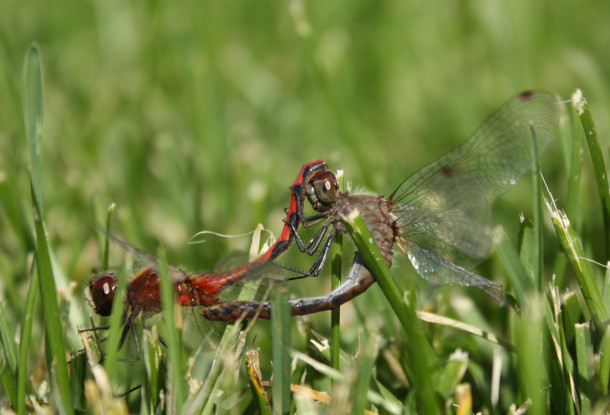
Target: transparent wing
{"x":143,"y":259}
{"x":444,"y":207}
{"x":437,"y":270}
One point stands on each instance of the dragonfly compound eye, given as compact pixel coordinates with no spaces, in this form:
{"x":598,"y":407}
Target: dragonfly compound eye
{"x":101,"y":293}
{"x":325,"y":187}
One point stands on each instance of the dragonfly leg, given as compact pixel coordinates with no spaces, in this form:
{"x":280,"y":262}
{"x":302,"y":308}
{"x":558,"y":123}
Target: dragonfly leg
{"x":318,"y":264}
{"x":315,"y":240}
{"x":358,"y":281}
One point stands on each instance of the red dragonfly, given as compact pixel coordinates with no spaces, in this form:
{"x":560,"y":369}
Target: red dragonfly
{"x":200,"y":289}
{"x":439,"y":216}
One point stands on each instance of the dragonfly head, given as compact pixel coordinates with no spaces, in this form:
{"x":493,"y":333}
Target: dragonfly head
{"x":100,"y":293}
{"x":322,"y":190}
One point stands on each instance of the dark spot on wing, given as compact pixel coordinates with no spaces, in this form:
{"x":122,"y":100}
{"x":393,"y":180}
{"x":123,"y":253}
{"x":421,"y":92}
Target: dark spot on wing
{"x":526,"y":95}
{"x":447,"y":171}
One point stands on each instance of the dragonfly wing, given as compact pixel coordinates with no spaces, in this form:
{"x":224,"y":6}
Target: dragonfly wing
{"x":500,"y":151}
{"x":452,"y":218}
{"x":438,"y":271}
{"x":444,"y":206}
{"x":142,"y":259}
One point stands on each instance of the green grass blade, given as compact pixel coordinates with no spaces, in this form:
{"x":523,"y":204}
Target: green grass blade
{"x":561,"y":365}
{"x":55,"y":333}
{"x":33,"y":119}
{"x":336,"y":254}
{"x":571,"y":313}
{"x":538,"y":245}
{"x":155,"y":370}
{"x":368,"y":354}
{"x":106,"y":253}
{"x":419,"y":349}
{"x":572,"y":140}
{"x":604,"y":363}
{"x":8,"y":362}
{"x":335,"y":315}
{"x":574,"y":152}
{"x":280,"y":330}
{"x":335,"y":279}
{"x":33,"y":109}
{"x":528,"y":253}
{"x":26,"y":336}
{"x":599,"y":166}
{"x":176,"y":391}
{"x":521,"y":281}
{"x":606,"y":287}
{"x":584,"y":355}
{"x":388,"y":397}
{"x":321,"y":344}
{"x":572,"y":247}
{"x":452,"y":374}
{"x":78,"y":373}
{"x":528,"y":332}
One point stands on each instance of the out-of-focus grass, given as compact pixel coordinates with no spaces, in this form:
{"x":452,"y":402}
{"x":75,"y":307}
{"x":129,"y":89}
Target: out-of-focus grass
{"x":198,"y":115}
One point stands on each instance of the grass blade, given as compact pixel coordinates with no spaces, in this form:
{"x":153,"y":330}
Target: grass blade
{"x":604,"y":363}
{"x":574,"y":153}
{"x":280,"y":329}
{"x":572,"y":140}
{"x":453,"y":373}
{"x":106,"y":253}
{"x":368,"y":355}
{"x":33,"y":120}
{"x":514,"y":267}
{"x":528,"y":332}
{"x":538,"y":245}
{"x":335,"y":315}
{"x":48,"y":291}
{"x":152,"y":352}
{"x":572,"y":247}
{"x":24,"y":344}
{"x":561,"y":367}
{"x":176,"y":391}
{"x":606,"y":287}
{"x":8,"y":362}
{"x":599,"y":166}
{"x":528,"y":252}
{"x":419,"y":349}
{"x":336,"y":252}
{"x":584,"y":354}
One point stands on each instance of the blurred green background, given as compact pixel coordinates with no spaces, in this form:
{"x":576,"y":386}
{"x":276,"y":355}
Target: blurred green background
{"x":198,"y":115}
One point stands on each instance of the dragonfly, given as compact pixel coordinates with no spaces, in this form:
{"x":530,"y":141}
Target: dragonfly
{"x":439,"y":216}
{"x":194,"y":289}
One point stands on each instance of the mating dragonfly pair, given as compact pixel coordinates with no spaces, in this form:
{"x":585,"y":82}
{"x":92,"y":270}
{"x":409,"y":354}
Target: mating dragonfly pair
{"x":439,"y":217}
